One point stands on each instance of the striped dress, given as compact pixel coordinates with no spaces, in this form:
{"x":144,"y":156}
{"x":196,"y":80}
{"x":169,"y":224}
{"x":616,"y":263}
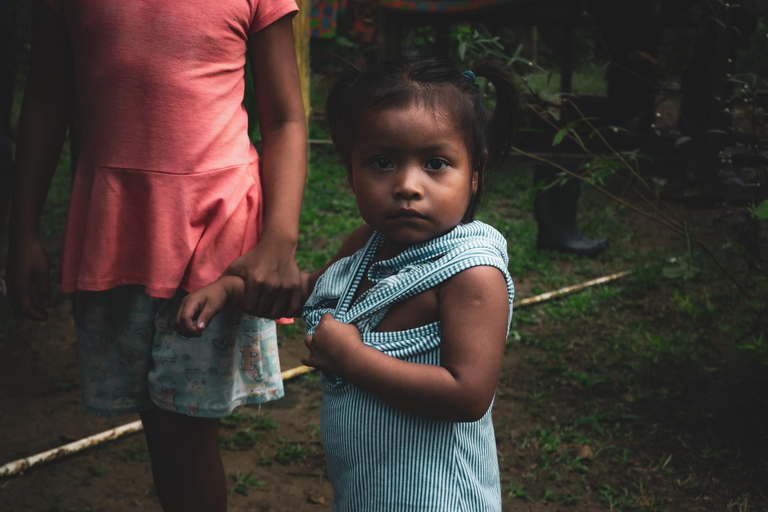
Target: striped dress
{"x":379,"y":457}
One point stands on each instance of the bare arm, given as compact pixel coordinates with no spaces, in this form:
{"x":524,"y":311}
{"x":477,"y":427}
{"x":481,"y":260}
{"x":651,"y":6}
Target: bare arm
{"x":473,"y":315}
{"x":273,"y":282}
{"x":42,"y":126}
{"x":199,"y":307}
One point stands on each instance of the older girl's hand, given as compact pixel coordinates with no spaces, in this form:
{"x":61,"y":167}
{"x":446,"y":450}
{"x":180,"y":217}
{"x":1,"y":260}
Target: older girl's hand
{"x":334,"y":346}
{"x":272,"y":280}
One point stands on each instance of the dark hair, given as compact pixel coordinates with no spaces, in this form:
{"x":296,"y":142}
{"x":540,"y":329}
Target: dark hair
{"x":437,"y":84}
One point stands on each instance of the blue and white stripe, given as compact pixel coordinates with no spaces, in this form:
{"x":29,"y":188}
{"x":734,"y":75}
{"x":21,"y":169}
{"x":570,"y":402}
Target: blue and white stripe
{"x":379,"y":457}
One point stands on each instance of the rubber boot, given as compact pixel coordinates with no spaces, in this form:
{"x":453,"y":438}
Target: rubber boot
{"x":555,"y":210}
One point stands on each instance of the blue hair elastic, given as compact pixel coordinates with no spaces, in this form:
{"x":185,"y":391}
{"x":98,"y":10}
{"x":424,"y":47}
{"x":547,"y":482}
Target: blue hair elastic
{"x":469,"y":74}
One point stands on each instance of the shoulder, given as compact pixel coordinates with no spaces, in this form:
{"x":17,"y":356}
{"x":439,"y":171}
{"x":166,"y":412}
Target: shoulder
{"x":481,"y":282}
{"x":481,"y":253}
{"x":473,"y":301}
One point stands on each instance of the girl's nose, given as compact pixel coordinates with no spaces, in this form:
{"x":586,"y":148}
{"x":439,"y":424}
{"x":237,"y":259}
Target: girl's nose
{"x":407,"y":185}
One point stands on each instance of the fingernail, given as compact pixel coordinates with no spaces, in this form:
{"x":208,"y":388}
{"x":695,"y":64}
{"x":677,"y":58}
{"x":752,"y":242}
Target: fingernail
{"x":201,"y":325}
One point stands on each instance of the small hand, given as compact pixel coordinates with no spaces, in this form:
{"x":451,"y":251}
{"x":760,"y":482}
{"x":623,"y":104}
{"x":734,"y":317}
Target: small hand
{"x":202,"y":305}
{"x":28,"y":268}
{"x":332,"y":347}
{"x":272,"y":280}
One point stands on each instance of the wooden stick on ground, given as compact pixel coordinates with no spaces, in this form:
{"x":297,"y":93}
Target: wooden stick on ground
{"x":21,"y":465}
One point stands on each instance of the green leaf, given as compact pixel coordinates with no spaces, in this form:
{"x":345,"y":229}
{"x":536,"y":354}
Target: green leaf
{"x":559,"y":136}
{"x":761,"y":210}
{"x":581,"y":142}
{"x":682,"y":269}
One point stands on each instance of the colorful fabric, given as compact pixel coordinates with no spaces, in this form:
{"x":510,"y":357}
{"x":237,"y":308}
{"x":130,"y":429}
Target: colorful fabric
{"x":130,"y":357}
{"x":381,"y":458}
{"x":441,"y":5}
{"x":167,"y":191}
{"x":325,"y":15}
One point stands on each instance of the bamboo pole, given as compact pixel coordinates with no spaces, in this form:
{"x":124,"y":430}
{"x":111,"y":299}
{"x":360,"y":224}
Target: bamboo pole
{"x":21,"y":465}
{"x":529,"y":301}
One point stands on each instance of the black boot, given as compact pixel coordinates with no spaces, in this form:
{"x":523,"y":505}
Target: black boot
{"x":555,"y":210}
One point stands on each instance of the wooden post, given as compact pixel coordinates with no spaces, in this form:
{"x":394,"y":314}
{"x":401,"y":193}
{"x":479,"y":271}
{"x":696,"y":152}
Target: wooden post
{"x":301,"y":43}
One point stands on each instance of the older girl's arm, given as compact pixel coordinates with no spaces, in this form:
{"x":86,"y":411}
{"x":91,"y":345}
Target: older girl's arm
{"x":273,"y":282}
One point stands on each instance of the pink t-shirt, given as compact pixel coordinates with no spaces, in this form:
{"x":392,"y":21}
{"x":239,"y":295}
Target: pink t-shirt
{"x":167,"y":191}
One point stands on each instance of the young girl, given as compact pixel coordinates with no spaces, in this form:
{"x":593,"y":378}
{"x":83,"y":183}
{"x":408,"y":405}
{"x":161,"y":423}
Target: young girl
{"x":409,"y":322}
{"x":169,"y":194}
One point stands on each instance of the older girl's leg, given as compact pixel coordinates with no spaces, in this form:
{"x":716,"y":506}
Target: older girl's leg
{"x":186,"y":463}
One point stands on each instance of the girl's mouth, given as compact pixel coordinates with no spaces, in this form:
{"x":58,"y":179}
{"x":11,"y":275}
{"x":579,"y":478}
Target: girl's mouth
{"x":407,"y":213}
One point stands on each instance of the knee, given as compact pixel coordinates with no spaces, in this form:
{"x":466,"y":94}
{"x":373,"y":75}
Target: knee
{"x":180,"y":433}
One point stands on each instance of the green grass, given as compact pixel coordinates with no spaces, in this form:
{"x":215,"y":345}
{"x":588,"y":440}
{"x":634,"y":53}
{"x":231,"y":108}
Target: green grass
{"x":328,"y":213}
{"x":245,"y":481}
{"x":622,"y":370}
{"x":248,"y":428}
{"x":291,"y":452}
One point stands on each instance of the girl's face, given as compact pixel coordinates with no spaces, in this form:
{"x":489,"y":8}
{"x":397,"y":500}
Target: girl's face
{"x":411,"y":173}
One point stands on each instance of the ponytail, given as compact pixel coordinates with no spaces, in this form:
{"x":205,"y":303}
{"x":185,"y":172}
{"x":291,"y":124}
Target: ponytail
{"x":504,"y":122}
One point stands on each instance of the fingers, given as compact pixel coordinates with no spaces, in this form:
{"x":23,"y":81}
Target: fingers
{"x":271,"y":301}
{"x":326,"y":319}
{"x":20,"y":292}
{"x":184,"y":321}
{"x":206,"y":314}
{"x":28,"y":271}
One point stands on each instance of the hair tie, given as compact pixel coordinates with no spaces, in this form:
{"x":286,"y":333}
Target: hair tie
{"x":469,"y":74}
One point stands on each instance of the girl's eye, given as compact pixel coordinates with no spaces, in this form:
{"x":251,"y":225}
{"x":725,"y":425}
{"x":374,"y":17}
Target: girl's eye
{"x":436,"y":164}
{"x":381,"y":164}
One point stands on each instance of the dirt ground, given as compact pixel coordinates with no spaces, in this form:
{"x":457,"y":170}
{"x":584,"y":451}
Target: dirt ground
{"x":40,"y":410}
{"x":274,"y":459}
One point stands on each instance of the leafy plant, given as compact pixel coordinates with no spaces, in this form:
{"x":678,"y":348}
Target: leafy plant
{"x":289,"y":452}
{"x":517,"y":490}
{"x":245,"y":481}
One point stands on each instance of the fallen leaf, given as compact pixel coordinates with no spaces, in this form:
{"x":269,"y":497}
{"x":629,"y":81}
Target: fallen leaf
{"x":316,"y":499}
{"x":585,"y":452}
